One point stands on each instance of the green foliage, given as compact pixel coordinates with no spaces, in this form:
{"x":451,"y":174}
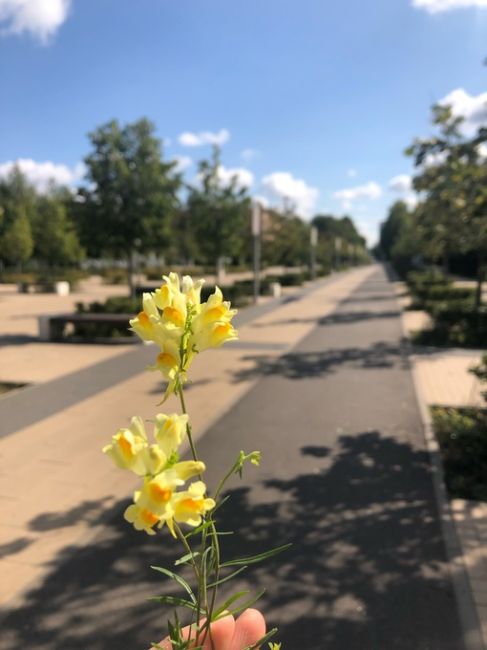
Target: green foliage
{"x":285,"y":240}
{"x":218,"y":216}
{"x":462,"y":435}
{"x":480,"y":371}
{"x":114,"y":305}
{"x":56,"y":241}
{"x":16,"y":241}
{"x":456,"y":326}
{"x":398,"y":238}
{"x":132,"y":194}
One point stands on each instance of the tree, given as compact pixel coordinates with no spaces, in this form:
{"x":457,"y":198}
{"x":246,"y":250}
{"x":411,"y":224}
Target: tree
{"x":17,"y":208}
{"x":285,"y":240}
{"x":132,"y":193}
{"x":56,"y":240}
{"x":16,"y":242}
{"x":452,"y":175}
{"x":393,"y":227}
{"x":219,"y":214}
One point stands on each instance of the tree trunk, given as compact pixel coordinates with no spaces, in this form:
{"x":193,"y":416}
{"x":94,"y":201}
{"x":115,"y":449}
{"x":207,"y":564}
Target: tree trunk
{"x":130,"y":273}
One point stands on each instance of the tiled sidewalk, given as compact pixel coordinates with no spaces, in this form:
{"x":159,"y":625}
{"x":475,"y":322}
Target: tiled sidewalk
{"x":442,"y":377}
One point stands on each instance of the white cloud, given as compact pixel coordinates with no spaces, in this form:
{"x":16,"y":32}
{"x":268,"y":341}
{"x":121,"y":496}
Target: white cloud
{"x":40,"y":18}
{"x":347,"y":196}
{"x":189,"y":139}
{"x":436,"y":6}
{"x":482,"y":150}
{"x":182,"y":163}
{"x":401,"y":183}
{"x":284,"y":187}
{"x":433,"y":159}
{"x":243,"y":177}
{"x":351,"y":173}
{"x":249,"y":154}
{"x":42,"y":174}
{"x":471,"y":107}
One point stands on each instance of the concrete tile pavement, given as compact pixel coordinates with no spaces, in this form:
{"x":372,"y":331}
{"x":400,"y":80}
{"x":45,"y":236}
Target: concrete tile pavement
{"x":56,"y":486}
{"x":442,"y":378}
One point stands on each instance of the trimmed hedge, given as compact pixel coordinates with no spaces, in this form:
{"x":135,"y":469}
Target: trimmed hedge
{"x":462,"y":436}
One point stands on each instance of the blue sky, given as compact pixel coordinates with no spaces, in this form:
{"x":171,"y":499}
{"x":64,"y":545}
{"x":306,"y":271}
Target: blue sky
{"x":312,"y":100}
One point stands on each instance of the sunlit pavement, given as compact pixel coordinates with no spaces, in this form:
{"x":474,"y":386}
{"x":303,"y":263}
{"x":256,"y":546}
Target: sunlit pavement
{"x":325,"y":391}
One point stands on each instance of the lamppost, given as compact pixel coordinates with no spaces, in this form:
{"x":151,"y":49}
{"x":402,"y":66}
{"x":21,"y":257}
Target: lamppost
{"x":338,"y":247}
{"x":256,"y":230}
{"x":313,"y":242}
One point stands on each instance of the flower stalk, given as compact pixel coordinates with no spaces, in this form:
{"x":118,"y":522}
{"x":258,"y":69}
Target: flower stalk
{"x":180,"y":325}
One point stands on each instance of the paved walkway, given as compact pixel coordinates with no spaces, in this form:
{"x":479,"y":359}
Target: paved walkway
{"x":346,"y":477}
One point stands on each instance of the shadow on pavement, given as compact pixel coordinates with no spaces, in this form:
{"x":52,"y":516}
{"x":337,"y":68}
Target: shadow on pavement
{"x":365,"y":571}
{"x":306,"y":365}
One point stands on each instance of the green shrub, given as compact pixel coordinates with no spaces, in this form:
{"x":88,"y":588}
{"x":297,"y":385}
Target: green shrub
{"x":480,"y":371}
{"x":114,"y":305}
{"x":114,"y":276}
{"x":462,"y":436}
{"x":458,"y":326}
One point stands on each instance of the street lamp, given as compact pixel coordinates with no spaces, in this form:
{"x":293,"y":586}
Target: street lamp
{"x":313,"y":242}
{"x":256,"y":227}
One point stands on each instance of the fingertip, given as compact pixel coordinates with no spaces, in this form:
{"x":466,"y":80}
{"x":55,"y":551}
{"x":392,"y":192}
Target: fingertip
{"x":249,"y":628}
{"x":222,"y":633}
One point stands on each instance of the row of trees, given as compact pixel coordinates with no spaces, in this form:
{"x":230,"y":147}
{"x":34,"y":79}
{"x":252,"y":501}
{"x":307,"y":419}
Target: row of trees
{"x":134,"y":201}
{"x":448,"y":225}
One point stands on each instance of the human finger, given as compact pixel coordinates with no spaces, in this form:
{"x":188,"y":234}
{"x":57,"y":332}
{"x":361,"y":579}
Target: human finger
{"x":249,"y":628}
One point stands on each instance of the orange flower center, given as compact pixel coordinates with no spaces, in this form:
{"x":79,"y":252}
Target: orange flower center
{"x":144,"y":320}
{"x":166,"y":360}
{"x":148,"y":517}
{"x":160,"y":494}
{"x":174,"y":316}
{"x":125,"y":447}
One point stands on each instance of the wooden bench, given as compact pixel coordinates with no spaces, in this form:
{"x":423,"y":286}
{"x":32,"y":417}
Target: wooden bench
{"x":52,"y":327}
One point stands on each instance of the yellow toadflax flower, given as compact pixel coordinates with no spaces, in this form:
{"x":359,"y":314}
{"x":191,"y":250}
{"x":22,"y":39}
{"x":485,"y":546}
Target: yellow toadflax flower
{"x":127,"y":447}
{"x":190,"y":506}
{"x":169,"y":431}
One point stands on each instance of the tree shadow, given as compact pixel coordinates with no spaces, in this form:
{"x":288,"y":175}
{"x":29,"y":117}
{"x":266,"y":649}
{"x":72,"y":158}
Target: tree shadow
{"x":337,"y":318}
{"x":87,"y":511}
{"x":366,"y":571}
{"x":305,"y":365}
{"x":11,"y":548}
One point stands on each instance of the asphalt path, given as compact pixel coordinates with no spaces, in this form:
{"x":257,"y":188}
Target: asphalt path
{"x":345,"y":477}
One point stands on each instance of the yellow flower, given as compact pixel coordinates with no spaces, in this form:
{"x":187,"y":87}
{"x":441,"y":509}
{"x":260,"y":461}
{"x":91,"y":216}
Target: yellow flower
{"x":169,"y":431}
{"x":176,"y":312}
{"x":154,"y":459}
{"x":214,"y":310}
{"x":167,"y":361}
{"x":141,"y":518}
{"x":128,"y":446}
{"x":157,"y":493}
{"x":190,"y":506}
{"x":214,"y":336}
{"x":189,"y":468}
{"x":144,"y":324}
{"x":192,"y":290}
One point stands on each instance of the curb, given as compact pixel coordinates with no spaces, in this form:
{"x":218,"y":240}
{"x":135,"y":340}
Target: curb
{"x":467,"y":610}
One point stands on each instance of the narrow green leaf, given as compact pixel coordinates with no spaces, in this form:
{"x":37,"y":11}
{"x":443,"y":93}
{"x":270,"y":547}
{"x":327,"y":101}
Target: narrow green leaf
{"x":174,"y":600}
{"x":257,"y":558}
{"x":186,"y":558}
{"x":181,"y":581}
{"x":227,"y":603}
{"x":265,"y":638}
{"x":247,"y":603}
{"x":228,"y":577}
